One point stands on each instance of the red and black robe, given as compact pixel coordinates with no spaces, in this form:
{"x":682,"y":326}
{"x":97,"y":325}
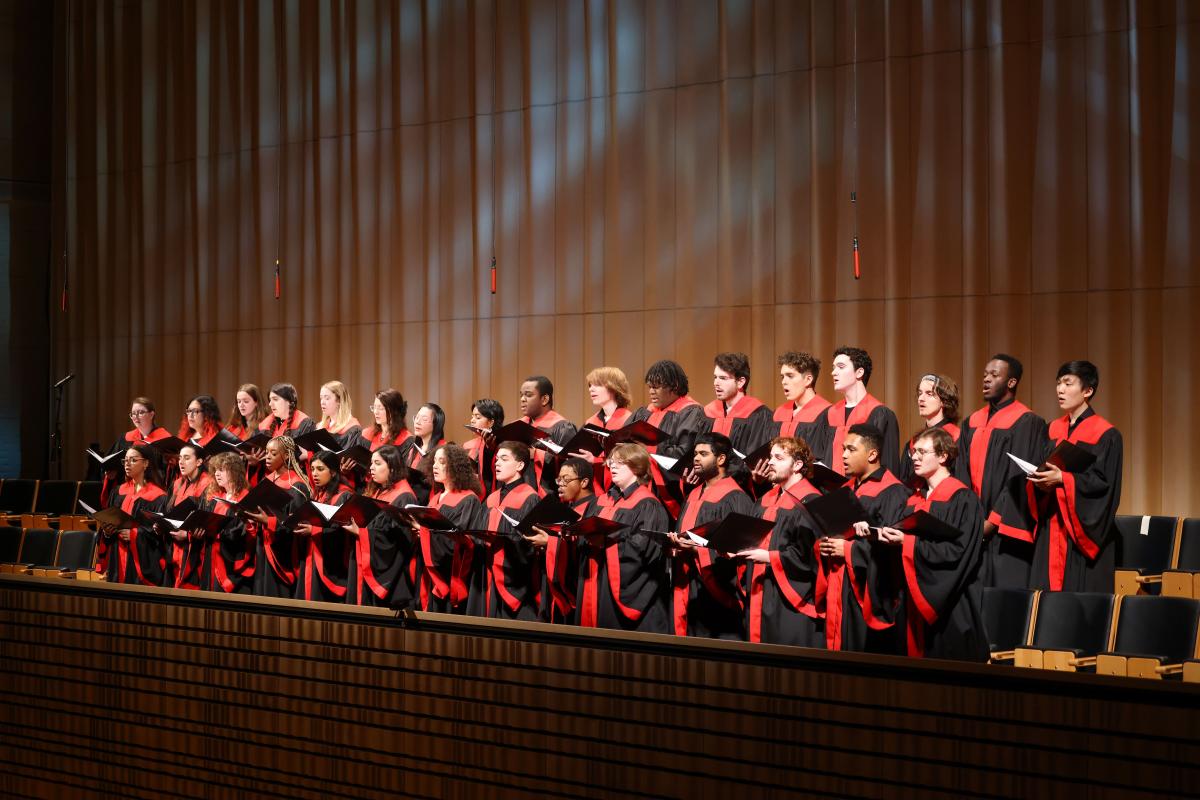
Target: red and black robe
{"x":942,"y":616}
{"x":601,"y":479}
{"x":747,"y":423}
{"x":143,"y":559}
{"x":560,"y":575}
{"x":297,"y":424}
{"x":839,"y":419}
{"x":277,"y":548}
{"x":683,"y":420}
{"x":706,"y":588}
{"x":544,"y":472}
{"x":382,"y":569}
{"x":1076,"y":542}
{"x":623,"y":582}
{"x":906,"y":474}
{"x":451,"y":566}
{"x":513,"y":569}
{"x":780,"y":607}
{"x":988,"y":436}
{"x":185,"y":559}
{"x":325,"y":555}
{"x":860,"y":593}
{"x":112,"y":473}
{"x":808,"y":422}
{"x":229,"y":556}
{"x":484,"y":457}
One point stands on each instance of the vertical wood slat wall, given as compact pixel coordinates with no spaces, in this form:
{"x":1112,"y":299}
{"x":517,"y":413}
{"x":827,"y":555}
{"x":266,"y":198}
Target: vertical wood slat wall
{"x":661,"y":179}
{"x":150,"y":693}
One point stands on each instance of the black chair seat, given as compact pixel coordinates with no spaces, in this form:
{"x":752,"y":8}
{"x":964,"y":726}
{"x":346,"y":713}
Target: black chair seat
{"x":1075,"y":621}
{"x":10,"y":544}
{"x":39,"y":546}
{"x":17,"y":495}
{"x":56,"y":497}
{"x":1007,"y":614}
{"x":76,"y":550}
{"x":1158,"y":627}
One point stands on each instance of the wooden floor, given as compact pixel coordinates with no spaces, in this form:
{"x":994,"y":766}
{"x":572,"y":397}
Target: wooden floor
{"x":155,"y":693}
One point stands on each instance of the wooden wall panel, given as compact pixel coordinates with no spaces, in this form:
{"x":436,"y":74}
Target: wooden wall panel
{"x":655,"y":180}
{"x":151,"y":693}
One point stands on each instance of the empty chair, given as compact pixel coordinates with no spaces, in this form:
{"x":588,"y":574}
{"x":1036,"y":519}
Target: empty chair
{"x":1071,"y":629}
{"x":17,"y":495}
{"x":1008,"y":616}
{"x":1155,"y":635}
{"x":10,"y":544}
{"x":89,"y":492}
{"x":1183,"y":579}
{"x":39,"y":546}
{"x":76,"y":550}
{"x":56,"y":497}
{"x":1143,"y":552}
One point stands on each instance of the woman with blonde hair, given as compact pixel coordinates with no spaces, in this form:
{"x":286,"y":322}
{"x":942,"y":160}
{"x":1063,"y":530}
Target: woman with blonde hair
{"x":608,"y":389}
{"x":337,"y":416}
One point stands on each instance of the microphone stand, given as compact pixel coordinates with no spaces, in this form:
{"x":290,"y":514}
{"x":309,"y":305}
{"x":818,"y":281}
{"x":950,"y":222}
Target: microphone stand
{"x":56,"y":436}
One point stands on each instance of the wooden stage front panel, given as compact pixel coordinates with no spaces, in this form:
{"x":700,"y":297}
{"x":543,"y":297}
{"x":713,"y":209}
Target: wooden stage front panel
{"x":110,"y":690}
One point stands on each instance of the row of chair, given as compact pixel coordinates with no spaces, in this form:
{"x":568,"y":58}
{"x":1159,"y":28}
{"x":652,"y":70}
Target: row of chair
{"x":46,"y":498}
{"x":46,"y":551}
{"x":1158,"y":555}
{"x":1137,"y":636}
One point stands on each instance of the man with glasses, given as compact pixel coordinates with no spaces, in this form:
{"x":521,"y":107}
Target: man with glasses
{"x":561,"y":574}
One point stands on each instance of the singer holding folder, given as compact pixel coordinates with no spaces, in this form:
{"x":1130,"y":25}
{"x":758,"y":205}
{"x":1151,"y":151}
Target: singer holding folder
{"x":1075,"y":546}
{"x":449,"y":563}
{"x":324,"y":550}
{"x":136,"y":554}
{"x":382,"y":571}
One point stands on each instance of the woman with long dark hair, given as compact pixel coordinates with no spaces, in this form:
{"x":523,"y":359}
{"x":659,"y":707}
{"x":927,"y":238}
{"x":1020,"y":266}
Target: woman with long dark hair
{"x":325,"y":551}
{"x":286,"y":418}
{"x":184,"y":560}
{"x":136,"y":554}
{"x":382,"y":570}
{"x":248,"y":411}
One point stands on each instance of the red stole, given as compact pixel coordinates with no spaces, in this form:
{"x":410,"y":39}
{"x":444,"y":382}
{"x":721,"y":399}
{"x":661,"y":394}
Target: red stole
{"x":775,"y":500}
{"x":840,"y":424}
{"x":656,"y":419}
{"x":1064,"y":519}
{"x":601,"y":478}
{"x":544,"y":423}
{"x":789,"y":417}
{"x":182,"y":490}
{"x":496,"y":507}
{"x":723,"y":418}
{"x":700,"y":496}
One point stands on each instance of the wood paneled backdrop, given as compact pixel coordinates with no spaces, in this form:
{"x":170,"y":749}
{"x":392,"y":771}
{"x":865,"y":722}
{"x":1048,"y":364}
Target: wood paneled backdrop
{"x":655,"y":179}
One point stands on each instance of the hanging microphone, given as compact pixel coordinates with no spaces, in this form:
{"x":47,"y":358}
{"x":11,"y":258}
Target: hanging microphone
{"x":65,"y":381}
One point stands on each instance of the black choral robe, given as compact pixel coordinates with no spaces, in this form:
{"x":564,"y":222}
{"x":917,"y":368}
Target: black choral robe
{"x":229,"y":555}
{"x":706,"y":598}
{"x":780,"y":607}
{"x":861,"y":592}
{"x":561,"y":572}
{"x":682,"y":420}
{"x":748,"y":423}
{"x":277,"y":551}
{"x":983,"y":464}
{"x":185,"y":559}
{"x":808,"y":422}
{"x":383,"y":569}
{"x":1076,"y":543}
{"x":943,"y":595}
{"x":545,"y":470}
{"x":513,"y":570}
{"x":623,"y":582}
{"x":324,"y":557}
{"x":907,"y":475}
{"x":451,"y":566}
{"x":143,"y":559}
{"x":839,"y":419}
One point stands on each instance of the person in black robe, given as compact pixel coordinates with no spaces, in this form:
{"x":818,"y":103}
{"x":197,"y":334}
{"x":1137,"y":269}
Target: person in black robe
{"x":780,"y":607}
{"x":706,"y":593}
{"x":560,"y":573}
{"x":988,"y":436}
{"x":512,"y":567}
{"x":185,"y":552}
{"x":1077,"y":540}
{"x":937,"y":403}
{"x":229,"y":553}
{"x":623,"y":581}
{"x":860,"y":585}
{"x":537,"y":409}
{"x":681,"y":418}
{"x":383,"y":569}
{"x":805,"y":414}
{"x":486,"y":415}
{"x":450,"y":570}
{"x":733,"y":413}
{"x":286,"y":418}
{"x":277,"y":550}
{"x":146,"y":430}
{"x":851,"y":373}
{"x":325,"y":550}
{"x":943,"y":617}
{"x":136,"y":554}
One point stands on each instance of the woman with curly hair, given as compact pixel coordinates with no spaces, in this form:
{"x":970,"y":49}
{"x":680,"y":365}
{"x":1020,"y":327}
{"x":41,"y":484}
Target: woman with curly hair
{"x":448,"y":562}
